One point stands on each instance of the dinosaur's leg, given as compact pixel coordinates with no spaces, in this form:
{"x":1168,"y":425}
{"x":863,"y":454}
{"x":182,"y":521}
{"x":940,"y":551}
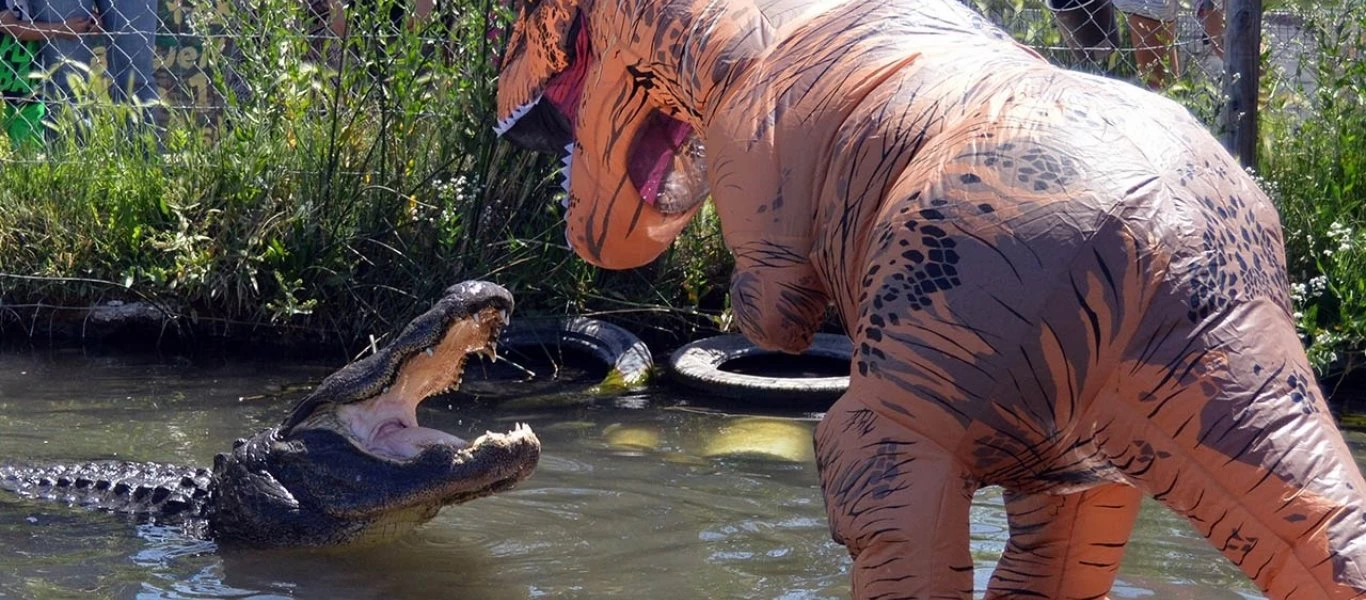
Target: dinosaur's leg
{"x":898,"y":501}
{"x":1065,"y":546}
{"x":1223,"y":422}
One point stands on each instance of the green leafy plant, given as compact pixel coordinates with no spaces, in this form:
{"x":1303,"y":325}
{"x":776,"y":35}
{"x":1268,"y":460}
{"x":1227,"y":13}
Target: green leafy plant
{"x":1314,"y":162}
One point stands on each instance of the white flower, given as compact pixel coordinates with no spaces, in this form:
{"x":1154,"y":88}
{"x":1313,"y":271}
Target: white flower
{"x":1317,"y":285}
{"x":1341,"y":234}
{"x":1299,"y":292}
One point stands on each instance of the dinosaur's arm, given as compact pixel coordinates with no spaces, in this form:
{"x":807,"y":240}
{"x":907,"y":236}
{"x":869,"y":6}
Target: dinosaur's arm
{"x":776,"y":295}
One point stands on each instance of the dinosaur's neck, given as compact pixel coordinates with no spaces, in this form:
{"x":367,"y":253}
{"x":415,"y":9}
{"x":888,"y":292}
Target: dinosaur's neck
{"x":163,"y":492}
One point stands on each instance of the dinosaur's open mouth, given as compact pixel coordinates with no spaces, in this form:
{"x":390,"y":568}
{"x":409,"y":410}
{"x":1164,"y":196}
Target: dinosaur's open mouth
{"x":549,"y":121}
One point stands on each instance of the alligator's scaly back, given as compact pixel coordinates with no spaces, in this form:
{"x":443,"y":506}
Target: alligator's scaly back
{"x":156,"y":490}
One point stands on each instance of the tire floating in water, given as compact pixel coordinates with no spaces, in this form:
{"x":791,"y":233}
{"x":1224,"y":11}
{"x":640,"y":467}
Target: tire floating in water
{"x":627,"y":358}
{"x":758,"y":375}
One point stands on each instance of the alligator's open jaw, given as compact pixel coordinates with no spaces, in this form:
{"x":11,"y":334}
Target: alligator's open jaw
{"x":386,"y":425}
{"x":548,"y":121}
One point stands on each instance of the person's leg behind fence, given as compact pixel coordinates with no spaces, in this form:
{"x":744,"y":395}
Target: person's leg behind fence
{"x":132,"y":29}
{"x":59,"y":54}
{"x":1211,"y":17}
{"x":1154,"y":53}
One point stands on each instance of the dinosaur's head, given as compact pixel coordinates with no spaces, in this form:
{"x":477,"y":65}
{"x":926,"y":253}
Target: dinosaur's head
{"x":351,"y":464}
{"x":634,"y":172}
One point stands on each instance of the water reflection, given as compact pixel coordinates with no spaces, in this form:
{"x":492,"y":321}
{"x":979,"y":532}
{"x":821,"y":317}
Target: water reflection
{"x":635,"y":497}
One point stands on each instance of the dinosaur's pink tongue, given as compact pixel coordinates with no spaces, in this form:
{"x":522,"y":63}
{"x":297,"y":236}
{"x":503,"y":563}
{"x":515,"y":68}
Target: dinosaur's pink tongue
{"x":566,"y":88}
{"x":652,"y":154}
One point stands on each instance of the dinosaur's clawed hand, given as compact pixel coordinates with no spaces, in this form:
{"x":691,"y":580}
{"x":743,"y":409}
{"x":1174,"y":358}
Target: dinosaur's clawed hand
{"x":778,"y":308}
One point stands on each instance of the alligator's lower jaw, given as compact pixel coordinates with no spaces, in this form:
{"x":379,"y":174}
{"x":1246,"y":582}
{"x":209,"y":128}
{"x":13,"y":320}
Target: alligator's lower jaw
{"x":443,"y":476}
{"x":388,"y":527}
{"x":492,"y":463}
{"x":501,"y":458}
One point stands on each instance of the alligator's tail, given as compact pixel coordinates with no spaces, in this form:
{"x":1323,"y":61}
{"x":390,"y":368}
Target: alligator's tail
{"x":146,"y":489}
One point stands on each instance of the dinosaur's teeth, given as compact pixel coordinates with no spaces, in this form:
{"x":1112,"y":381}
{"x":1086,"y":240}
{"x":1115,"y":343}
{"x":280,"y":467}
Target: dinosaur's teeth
{"x":506,"y":124}
{"x":568,"y":162}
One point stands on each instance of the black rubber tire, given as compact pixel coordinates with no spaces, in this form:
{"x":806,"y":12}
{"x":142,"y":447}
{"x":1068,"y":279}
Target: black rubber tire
{"x":628,"y":358}
{"x":698,"y":365}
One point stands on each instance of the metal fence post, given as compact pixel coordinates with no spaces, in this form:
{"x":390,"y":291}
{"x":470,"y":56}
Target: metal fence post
{"x":1242,"y":65}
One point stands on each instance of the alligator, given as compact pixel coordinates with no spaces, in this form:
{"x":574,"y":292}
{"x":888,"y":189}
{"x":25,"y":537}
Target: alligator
{"x":348,"y":465}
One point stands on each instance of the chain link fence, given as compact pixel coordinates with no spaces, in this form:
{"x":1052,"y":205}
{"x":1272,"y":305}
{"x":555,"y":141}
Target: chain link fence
{"x":196,"y":57}
{"x":1172,"y":46}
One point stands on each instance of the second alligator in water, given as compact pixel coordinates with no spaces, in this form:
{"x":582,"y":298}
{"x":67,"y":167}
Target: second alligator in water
{"x":349,"y":464}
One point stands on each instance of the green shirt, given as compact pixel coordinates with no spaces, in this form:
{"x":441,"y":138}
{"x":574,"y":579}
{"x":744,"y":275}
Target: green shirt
{"x":16,"y":65}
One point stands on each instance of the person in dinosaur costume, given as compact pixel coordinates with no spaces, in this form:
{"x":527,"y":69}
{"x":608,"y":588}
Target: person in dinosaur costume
{"x":1055,"y":283}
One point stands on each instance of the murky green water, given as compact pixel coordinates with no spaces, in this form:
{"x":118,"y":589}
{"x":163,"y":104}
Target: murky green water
{"x":604,"y":516}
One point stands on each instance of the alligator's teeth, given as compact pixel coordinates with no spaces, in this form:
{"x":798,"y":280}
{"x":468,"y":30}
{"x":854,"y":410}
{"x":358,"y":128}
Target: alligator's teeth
{"x":429,"y":352}
{"x":385,"y":390}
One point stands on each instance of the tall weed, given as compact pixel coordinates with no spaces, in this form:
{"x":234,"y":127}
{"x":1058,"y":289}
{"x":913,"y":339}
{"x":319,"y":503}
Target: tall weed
{"x":1314,"y":160}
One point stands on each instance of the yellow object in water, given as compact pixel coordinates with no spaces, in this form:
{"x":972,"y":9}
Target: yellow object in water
{"x":569,"y":426}
{"x":628,"y":437}
{"x":762,"y":438}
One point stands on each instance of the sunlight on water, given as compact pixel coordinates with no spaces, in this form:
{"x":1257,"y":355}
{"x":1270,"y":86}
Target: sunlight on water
{"x":630,"y":500}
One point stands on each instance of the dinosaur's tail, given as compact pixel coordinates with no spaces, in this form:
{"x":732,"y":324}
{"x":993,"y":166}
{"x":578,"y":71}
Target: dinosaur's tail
{"x":1225,"y":424}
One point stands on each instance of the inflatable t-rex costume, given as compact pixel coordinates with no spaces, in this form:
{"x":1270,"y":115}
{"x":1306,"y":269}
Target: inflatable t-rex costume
{"x":1055,"y":283}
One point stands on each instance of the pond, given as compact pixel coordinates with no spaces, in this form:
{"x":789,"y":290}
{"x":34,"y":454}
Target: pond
{"x":640,"y":496}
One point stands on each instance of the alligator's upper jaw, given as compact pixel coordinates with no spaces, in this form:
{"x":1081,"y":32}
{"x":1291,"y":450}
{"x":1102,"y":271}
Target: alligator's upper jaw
{"x":386,"y":425}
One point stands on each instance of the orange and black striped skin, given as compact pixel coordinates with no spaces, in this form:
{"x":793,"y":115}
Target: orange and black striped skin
{"x":1056,"y":283}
